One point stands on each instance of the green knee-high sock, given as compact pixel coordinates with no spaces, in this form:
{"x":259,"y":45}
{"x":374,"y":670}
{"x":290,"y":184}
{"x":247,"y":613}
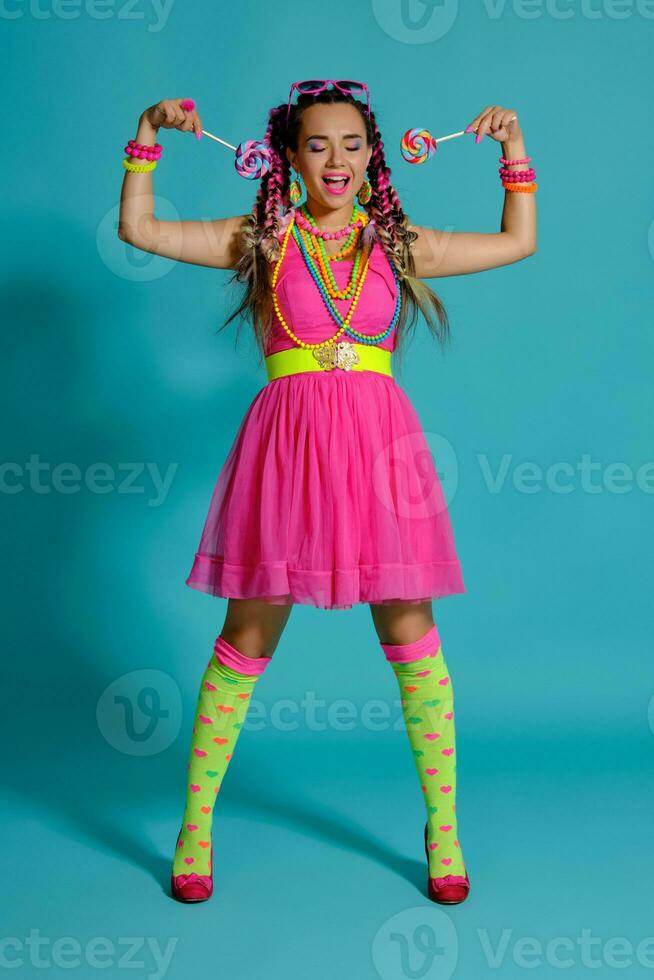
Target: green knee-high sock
{"x":222,"y":706}
{"x":427,"y":700}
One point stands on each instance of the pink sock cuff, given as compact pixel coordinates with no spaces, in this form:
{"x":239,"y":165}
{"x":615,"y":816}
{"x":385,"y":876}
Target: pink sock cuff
{"x":404,"y":652}
{"x":231,"y":657}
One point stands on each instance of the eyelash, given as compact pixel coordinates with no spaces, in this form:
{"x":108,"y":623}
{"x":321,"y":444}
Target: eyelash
{"x":314,"y":149}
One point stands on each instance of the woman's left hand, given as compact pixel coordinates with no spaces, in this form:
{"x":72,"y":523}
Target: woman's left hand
{"x":498,"y":123}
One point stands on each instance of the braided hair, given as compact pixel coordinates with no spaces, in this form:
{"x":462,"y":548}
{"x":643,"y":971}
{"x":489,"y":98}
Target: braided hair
{"x":260,"y":232}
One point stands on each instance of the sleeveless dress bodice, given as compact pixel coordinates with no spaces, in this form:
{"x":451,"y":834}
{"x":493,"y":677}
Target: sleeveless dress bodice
{"x":304,"y":309}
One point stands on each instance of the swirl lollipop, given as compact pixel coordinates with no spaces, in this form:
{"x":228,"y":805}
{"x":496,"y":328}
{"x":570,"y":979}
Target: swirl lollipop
{"x":252,"y":156}
{"x":252,"y":159}
{"x":417,"y":145}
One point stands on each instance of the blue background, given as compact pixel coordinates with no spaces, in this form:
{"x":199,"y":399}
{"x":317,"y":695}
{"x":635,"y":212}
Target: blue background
{"x":111,"y":356}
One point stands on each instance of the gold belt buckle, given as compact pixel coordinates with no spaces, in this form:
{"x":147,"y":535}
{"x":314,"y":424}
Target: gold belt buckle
{"x":342,"y":355}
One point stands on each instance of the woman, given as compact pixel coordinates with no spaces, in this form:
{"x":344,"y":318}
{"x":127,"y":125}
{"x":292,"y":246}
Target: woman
{"x":328,"y":495}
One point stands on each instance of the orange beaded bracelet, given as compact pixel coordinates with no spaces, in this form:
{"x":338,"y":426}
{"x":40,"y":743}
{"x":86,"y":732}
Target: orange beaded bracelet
{"x":521,"y":188}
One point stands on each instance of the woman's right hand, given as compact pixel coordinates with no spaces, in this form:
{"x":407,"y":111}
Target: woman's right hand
{"x":168,"y":114}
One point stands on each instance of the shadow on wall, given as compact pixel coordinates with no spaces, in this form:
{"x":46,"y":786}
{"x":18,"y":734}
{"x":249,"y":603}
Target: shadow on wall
{"x":81,"y":387}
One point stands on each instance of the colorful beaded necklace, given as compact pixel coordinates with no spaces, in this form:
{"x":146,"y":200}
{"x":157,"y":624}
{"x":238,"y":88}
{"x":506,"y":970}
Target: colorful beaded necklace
{"x":320,"y":262}
{"x":325,"y":293}
{"x":309,"y":231}
{"x":306,"y":222}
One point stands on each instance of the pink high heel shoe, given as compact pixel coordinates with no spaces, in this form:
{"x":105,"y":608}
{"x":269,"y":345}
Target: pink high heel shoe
{"x":192,"y":887}
{"x":448,"y":890}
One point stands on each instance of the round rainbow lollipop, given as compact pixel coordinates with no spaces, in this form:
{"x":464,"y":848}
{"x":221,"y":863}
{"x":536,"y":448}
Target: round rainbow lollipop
{"x":252,"y":158}
{"x":417,"y":145}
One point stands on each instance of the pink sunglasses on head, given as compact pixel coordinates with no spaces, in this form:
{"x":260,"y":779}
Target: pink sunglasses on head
{"x":312,"y":86}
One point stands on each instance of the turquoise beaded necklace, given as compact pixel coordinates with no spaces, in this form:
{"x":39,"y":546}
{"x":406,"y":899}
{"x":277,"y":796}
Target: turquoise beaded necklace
{"x":315,"y":274}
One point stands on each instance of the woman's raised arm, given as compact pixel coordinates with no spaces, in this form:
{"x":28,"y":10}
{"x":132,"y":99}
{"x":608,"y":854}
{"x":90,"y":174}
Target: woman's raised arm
{"x":211,"y":243}
{"x":439,"y":252}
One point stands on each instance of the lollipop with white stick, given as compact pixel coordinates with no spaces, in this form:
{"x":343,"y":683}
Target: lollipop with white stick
{"x":252,"y":158}
{"x":418,"y":145}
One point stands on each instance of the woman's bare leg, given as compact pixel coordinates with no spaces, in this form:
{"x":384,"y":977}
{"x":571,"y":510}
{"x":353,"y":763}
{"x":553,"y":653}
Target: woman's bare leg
{"x":254,"y":626}
{"x":401,"y":622}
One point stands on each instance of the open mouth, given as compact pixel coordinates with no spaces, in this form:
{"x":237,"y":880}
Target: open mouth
{"x":336,"y":185}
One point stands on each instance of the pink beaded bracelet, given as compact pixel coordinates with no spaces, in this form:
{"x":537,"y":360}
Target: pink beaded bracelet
{"x":515,"y":175}
{"x":157,"y":148}
{"x":518,"y":178}
{"x":142,"y":151}
{"x":506,"y":170}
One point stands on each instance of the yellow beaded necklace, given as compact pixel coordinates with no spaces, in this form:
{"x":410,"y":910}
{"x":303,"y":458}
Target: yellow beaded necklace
{"x":346,"y":322}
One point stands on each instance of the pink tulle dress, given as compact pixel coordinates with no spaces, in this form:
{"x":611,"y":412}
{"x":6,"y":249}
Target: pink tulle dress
{"x":329,"y":495}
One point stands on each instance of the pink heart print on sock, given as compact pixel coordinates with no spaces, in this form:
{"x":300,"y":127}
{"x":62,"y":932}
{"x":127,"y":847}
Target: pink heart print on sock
{"x":223,"y":700}
{"x":427,"y":703}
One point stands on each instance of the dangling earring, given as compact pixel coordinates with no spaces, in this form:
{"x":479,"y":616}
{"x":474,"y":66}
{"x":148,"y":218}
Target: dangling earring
{"x":295,"y":189}
{"x":365,"y":192}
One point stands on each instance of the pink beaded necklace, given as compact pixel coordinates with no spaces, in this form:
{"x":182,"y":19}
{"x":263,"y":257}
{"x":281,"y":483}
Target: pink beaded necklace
{"x":358,"y":222}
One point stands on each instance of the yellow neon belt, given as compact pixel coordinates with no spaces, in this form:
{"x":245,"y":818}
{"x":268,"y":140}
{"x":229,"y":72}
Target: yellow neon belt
{"x":344,"y":355}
